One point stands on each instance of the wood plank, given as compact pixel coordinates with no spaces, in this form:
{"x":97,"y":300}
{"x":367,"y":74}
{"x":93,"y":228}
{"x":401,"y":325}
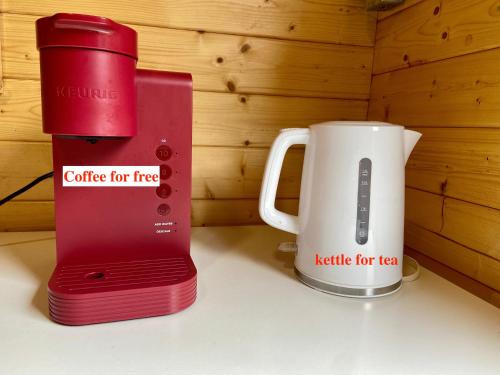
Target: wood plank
{"x":396,"y":35}
{"x":474,"y":226}
{"x":472,"y":286}
{"x":30,"y":216}
{"x":21,"y":163}
{"x":255,"y":120}
{"x":460,"y":163}
{"x":219,"y":119}
{"x":26,"y":216}
{"x":472,"y":264}
{"x":434,"y":30}
{"x":233,"y":212}
{"x":333,"y":21}
{"x":224,"y":63}
{"x":398,"y":9}
{"x":225,"y":173}
{"x":424,"y":209}
{"x":467,"y":224}
{"x":460,"y":92}
{"x":218,"y":172}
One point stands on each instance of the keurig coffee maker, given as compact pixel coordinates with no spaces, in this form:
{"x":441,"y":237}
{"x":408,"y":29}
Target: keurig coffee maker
{"x":123,"y":252}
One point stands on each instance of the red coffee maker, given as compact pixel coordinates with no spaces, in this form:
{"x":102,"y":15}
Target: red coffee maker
{"x":122,"y":252}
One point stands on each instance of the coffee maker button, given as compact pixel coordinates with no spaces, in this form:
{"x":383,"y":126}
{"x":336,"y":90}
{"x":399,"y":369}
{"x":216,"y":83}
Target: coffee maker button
{"x":163,"y":209}
{"x":165,"y":171}
{"x":163,"y":191}
{"x":163,"y":152}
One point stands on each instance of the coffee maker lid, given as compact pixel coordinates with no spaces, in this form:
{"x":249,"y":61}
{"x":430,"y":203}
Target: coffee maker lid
{"x":83,"y":31}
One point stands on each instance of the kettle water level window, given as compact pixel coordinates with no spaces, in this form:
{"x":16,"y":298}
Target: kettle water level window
{"x":363,"y":216}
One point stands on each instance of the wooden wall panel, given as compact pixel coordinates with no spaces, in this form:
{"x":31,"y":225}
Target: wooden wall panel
{"x":462,"y":163}
{"x":459,"y":92}
{"x":443,"y":230}
{"x":436,"y":70}
{"x":465,"y":260}
{"x":225,"y":119}
{"x":332,"y":21}
{"x":233,"y":212}
{"x":399,"y":8}
{"x":474,"y":226}
{"x":21,"y":163}
{"x":472,"y":286}
{"x":219,"y":119}
{"x":435,"y":30}
{"x":27,"y":216}
{"x":470,"y":225}
{"x":424,"y":209}
{"x":224,"y":63}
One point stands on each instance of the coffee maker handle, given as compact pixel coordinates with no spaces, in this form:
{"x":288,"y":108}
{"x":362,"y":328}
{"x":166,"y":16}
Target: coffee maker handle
{"x":267,"y":209}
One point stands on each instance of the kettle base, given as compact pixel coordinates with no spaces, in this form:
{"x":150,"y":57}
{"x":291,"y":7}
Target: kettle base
{"x":345,"y":291}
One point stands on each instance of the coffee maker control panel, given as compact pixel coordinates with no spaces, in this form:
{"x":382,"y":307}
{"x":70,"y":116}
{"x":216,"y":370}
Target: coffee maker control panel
{"x":164,"y":153}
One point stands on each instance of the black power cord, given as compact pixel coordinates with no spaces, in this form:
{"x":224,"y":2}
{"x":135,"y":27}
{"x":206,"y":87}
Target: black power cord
{"x":36,"y":181}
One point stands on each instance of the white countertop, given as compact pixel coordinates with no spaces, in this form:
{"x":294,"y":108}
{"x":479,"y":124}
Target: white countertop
{"x":252,"y":316}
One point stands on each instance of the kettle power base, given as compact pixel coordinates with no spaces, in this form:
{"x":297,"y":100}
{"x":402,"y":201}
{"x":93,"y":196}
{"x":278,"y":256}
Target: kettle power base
{"x":102,"y":292}
{"x":346,"y":291}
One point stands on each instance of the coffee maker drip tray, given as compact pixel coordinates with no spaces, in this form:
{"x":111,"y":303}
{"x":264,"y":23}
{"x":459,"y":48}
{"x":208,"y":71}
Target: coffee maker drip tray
{"x":102,"y":292}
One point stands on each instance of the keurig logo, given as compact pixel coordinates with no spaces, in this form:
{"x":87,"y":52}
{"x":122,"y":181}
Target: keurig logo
{"x":85,"y":92}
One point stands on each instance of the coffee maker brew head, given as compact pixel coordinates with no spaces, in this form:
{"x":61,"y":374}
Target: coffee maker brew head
{"x":88,"y":70}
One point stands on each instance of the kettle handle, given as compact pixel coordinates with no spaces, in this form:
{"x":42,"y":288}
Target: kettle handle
{"x":267,"y":209}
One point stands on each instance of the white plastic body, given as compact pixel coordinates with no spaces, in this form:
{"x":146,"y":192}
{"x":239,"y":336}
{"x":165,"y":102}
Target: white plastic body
{"x":326,"y":224}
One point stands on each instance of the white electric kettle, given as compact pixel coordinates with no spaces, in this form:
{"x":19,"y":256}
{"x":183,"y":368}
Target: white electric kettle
{"x":351,"y":210}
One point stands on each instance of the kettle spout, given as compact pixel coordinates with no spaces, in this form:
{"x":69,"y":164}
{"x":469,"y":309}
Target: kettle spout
{"x":410,"y":140}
